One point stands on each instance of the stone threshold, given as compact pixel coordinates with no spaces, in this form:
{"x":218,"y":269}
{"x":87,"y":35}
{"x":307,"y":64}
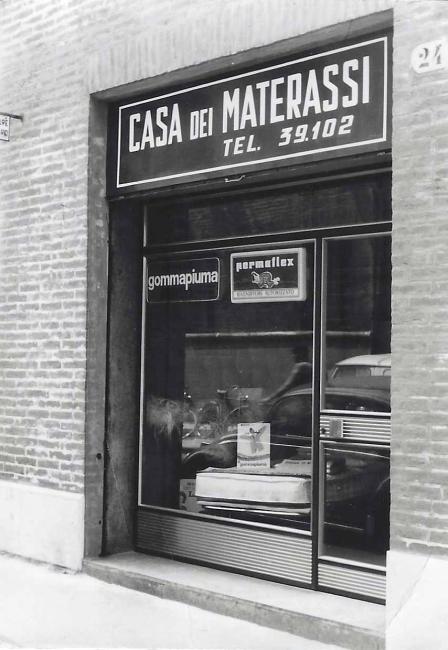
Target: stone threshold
{"x":327,"y":618}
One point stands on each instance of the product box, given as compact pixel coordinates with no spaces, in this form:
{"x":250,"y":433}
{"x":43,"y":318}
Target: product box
{"x":254,"y":444}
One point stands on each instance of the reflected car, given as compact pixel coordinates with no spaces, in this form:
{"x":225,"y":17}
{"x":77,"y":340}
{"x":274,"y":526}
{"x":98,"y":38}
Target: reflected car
{"x":371,"y":371}
{"x":292,"y":413}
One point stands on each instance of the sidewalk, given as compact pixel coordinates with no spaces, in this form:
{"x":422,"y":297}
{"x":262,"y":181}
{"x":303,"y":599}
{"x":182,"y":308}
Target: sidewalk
{"x":45,"y":607}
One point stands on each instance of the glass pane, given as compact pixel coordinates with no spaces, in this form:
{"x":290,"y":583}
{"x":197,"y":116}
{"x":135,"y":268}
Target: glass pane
{"x":356,"y":496}
{"x":358,"y":325}
{"x":228,"y":404}
{"x":363,"y":200}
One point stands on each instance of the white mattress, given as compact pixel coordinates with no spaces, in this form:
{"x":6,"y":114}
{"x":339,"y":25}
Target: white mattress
{"x":280,"y":485}
{"x":288,"y":484}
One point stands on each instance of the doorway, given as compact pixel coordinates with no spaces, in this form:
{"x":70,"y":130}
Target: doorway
{"x":265,"y":404}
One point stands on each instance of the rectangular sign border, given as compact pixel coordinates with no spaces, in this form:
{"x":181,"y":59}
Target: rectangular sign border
{"x":164,"y":302}
{"x":8,"y":117}
{"x":264,"y":252}
{"x":383,"y":39}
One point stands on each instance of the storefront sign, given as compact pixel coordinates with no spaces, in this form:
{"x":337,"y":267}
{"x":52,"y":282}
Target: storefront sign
{"x":268,"y":276}
{"x":254,"y":445}
{"x":333,"y":101}
{"x":183,"y":280}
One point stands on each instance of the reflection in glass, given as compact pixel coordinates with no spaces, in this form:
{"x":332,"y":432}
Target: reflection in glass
{"x":358,"y":325}
{"x":356,"y":501}
{"x":319,"y":205}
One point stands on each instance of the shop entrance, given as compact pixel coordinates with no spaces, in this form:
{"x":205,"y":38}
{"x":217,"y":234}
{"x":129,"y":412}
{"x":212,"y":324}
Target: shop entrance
{"x":265,"y":404}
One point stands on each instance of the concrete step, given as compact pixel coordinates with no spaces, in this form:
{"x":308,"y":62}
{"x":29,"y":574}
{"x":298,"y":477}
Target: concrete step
{"x":327,"y":618}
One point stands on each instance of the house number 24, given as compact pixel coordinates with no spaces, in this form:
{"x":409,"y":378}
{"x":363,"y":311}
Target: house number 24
{"x":430,"y":56}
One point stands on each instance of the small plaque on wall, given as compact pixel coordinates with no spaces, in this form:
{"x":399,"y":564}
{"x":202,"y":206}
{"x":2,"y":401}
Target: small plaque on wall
{"x":4,"y":127}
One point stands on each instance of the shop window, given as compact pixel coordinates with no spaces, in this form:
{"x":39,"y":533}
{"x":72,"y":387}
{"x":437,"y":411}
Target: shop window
{"x":228,"y":418}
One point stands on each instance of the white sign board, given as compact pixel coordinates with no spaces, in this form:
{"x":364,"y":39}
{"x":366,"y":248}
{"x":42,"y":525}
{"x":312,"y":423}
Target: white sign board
{"x":4,"y":127}
{"x":268,"y":276}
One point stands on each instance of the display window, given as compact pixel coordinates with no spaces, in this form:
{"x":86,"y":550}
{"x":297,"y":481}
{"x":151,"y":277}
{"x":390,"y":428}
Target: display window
{"x":218,"y":438}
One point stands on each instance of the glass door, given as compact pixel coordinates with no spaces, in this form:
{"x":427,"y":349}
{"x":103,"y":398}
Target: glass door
{"x":354,"y":443}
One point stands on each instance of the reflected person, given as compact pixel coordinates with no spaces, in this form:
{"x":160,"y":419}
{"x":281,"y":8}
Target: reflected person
{"x":301,"y":373}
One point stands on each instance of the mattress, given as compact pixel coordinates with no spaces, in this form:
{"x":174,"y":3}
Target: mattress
{"x":288,"y":484}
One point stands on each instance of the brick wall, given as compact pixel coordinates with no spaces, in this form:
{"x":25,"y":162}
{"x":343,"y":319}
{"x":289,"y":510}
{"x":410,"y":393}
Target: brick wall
{"x":42,"y":251}
{"x":52,"y":55}
{"x":420,"y":287}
